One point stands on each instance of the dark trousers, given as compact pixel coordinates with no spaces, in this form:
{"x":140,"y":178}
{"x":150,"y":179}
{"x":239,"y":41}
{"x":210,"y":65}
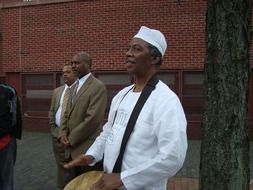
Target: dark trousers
{"x":7,"y":162}
{"x":63,"y":176}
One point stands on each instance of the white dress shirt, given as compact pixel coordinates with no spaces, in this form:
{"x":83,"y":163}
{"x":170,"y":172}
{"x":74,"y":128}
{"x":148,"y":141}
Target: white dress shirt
{"x":58,"y":112}
{"x":81,"y":81}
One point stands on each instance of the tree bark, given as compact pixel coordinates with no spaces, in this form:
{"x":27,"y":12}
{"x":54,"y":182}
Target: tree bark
{"x":224,"y":162}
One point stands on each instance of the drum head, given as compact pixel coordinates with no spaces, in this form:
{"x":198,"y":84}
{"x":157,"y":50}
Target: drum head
{"x":84,"y":181}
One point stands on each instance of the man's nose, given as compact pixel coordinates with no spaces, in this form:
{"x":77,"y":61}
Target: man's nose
{"x":129,"y":52}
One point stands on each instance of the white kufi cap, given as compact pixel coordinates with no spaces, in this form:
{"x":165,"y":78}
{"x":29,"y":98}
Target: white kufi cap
{"x":154,"y":37}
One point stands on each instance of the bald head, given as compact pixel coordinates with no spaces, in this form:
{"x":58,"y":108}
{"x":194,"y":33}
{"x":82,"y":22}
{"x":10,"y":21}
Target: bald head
{"x":81,"y":63}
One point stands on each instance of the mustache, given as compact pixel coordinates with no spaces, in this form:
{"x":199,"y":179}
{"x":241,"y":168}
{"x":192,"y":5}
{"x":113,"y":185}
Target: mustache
{"x":129,"y":61}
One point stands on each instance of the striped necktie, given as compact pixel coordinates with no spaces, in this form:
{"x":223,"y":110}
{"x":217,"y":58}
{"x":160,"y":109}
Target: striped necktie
{"x":75,"y":87}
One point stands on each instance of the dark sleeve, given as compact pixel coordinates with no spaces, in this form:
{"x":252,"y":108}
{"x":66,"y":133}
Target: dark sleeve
{"x":5,"y":116}
{"x":18,"y":127}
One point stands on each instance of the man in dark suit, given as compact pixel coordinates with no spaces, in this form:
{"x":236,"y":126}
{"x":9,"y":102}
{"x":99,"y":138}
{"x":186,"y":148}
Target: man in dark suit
{"x":55,"y":120}
{"x":84,"y":118}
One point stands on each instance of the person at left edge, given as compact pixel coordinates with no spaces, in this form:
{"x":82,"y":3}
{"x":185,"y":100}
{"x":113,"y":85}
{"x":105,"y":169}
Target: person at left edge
{"x":10,"y":130}
{"x":55,"y":121}
{"x":83,"y":121}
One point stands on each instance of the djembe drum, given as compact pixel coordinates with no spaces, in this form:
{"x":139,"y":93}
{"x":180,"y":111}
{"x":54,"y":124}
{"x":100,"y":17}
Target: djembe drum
{"x":84,"y":181}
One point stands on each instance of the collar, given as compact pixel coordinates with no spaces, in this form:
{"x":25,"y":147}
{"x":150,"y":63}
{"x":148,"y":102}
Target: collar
{"x":82,"y":80}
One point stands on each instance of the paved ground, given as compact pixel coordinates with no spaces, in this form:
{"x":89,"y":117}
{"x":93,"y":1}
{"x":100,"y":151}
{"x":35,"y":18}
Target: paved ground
{"x":35,"y":167}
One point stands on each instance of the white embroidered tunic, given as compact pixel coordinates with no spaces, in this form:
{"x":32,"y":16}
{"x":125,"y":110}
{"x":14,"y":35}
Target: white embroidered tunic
{"x":157,"y":146}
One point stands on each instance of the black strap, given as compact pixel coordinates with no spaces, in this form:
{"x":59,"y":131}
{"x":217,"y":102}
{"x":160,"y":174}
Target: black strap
{"x":132,"y":120}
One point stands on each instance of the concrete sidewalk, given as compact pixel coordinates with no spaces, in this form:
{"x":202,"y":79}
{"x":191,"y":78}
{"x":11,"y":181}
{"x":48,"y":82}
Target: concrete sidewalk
{"x":36,"y":169}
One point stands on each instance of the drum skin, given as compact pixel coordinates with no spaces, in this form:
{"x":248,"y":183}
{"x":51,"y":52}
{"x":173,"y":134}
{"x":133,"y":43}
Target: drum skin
{"x":84,"y":181}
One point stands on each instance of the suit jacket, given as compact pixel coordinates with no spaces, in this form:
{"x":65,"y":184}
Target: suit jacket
{"x":55,"y":103}
{"x":83,"y":121}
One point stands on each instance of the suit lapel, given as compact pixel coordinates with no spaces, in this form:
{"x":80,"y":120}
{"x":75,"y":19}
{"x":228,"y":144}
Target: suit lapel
{"x":84,"y":87}
{"x":58,"y":97}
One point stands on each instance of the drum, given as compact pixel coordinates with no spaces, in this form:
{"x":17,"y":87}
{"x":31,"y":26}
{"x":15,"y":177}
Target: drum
{"x":84,"y":181}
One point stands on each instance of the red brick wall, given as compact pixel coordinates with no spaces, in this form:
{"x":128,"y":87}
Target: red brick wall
{"x":43,"y":37}
{"x":9,"y":1}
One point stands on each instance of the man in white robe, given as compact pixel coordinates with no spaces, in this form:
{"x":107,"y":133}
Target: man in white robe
{"x":157,"y":146}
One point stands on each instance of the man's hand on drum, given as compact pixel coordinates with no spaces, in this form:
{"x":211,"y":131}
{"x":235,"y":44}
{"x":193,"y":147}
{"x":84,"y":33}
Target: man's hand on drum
{"x":108,"y":182}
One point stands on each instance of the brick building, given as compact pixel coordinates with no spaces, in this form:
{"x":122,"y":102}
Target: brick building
{"x":38,"y":36}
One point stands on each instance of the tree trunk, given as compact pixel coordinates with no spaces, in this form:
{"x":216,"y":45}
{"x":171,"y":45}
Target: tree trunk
{"x":224,"y":162}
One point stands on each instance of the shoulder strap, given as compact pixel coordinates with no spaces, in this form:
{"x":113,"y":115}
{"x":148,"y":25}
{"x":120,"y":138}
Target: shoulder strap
{"x":132,"y":120}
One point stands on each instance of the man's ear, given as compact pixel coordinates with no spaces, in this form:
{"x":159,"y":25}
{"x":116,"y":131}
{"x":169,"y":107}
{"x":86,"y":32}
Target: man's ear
{"x":155,"y":60}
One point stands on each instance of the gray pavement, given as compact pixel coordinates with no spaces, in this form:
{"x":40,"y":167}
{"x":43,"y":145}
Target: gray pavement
{"x":36,"y":170}
{"x":35,"y":166}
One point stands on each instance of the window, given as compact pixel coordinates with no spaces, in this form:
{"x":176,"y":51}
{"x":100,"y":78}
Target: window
{"x":37,"y":91}
{"x":192,"y":94}
{"x":114,"y":83}
{"x":171,"y":79}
